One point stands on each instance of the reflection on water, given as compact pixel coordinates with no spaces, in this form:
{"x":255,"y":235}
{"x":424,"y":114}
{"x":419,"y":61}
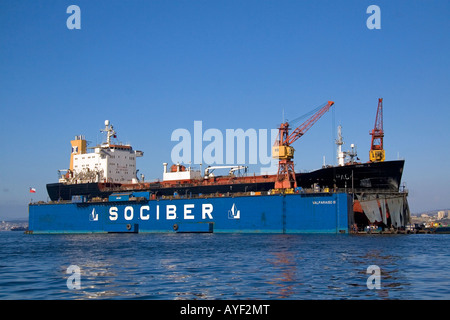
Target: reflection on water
{"x":285,"y":279}
{"x":217,"y":266}
{"x":327,"y":269}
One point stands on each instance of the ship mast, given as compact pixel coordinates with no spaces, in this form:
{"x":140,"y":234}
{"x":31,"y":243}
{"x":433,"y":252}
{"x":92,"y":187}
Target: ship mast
{"x":339,"y":143}
{"x":343,"y":154}
{"x":110,"y":133}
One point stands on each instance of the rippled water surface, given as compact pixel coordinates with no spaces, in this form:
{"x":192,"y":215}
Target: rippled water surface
{"x":224,"y":266}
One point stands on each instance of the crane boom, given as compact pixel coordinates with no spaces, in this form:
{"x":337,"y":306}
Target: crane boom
{"x":301,"y":130}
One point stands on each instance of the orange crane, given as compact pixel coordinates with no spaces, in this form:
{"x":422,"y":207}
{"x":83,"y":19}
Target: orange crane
{"x":376,"y":153}
{"x":283,"y":150}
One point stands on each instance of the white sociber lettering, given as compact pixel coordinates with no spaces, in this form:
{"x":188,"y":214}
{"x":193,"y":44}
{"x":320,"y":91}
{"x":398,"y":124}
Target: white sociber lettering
{"x":147,"y":216}
{"x":171,"y":212}
{"x":128,"y":216}
{"x":188,"y":212}
{"x":113,"y":213}
{"x":207,"y":208}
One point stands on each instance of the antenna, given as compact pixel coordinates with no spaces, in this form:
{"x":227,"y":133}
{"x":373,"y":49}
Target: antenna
{"x":109,"y":129}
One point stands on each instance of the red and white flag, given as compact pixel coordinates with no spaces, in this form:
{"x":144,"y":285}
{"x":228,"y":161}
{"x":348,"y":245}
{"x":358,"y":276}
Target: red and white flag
{"x":32,"y":190}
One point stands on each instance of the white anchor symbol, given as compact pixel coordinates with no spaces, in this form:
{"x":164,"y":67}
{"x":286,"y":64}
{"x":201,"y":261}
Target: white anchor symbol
{"x":234,"y":213}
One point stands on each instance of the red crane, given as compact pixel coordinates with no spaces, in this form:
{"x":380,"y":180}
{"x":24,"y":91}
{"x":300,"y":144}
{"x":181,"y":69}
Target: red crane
{"x":283,"y":150}
{"x":376,"y":148}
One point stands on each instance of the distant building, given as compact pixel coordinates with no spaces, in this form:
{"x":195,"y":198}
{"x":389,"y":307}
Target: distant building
{"x":441,"y":214}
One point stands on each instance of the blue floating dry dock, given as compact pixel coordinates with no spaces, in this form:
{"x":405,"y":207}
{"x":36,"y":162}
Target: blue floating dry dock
{"x":138,"y":213}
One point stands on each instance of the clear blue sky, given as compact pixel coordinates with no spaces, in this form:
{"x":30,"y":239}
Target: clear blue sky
{"x":151,"y":67}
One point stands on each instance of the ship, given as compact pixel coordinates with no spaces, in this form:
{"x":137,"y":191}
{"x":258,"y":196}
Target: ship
{"x":101,"y":192}
{"x":92,"y":175}
{"x":350,"y":174}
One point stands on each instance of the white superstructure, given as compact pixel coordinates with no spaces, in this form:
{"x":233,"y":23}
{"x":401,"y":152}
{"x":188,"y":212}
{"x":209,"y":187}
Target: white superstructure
{"x":115,"y":163}
{"x":180,"y":172}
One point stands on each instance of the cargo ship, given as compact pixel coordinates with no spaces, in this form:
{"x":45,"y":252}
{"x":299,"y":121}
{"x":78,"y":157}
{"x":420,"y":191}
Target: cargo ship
{"x":101,"y":192}
{"x":96,"y":179}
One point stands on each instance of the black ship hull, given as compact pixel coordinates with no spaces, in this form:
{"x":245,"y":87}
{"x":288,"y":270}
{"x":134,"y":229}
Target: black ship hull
{"x":357,"y":177}
{"x":363,"y":176}
{"x":59,"y":191}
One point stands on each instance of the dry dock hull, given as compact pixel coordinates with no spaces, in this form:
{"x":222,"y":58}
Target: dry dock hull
{"x":290,"y":213}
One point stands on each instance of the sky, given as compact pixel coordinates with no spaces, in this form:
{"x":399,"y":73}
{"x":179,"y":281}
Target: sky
{"x":151,"y":67}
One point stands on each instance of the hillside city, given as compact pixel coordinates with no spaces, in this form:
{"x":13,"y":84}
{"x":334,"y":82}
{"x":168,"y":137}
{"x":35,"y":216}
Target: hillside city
{"x":14,"y":225}
{"x":432,"y":219}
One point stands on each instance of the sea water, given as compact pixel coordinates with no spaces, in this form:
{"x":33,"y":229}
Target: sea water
{"x":224,"y":266}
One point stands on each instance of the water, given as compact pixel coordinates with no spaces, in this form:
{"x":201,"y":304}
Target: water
{"x":224,"y":266}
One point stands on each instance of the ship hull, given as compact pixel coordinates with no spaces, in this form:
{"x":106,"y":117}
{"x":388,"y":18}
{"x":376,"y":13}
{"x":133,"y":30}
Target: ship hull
{"x":384,"y":175}
{"x":366,"y":176}
{"x":293,"y":213}
{"x":60,"y":191}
